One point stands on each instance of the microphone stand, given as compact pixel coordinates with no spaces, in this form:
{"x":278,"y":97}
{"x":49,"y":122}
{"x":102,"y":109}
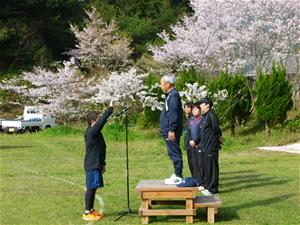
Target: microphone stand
{"x":128,"y":210}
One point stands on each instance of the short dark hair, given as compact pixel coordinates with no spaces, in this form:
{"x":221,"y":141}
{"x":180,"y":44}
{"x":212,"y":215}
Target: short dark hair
{"x":207,"y":101}
{"x":197,"y":105}
{"x":189,"y":104}
{"x":91,"y":116}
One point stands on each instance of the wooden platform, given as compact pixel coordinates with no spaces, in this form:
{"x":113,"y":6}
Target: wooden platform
{"x":155,"y":192}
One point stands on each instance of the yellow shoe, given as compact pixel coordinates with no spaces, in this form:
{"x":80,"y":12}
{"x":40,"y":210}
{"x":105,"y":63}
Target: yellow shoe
{"x":100,"y":214}
{"x":90,"y":217}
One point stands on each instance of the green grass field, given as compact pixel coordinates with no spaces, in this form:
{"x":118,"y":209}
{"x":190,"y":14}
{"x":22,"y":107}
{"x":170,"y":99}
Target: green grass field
{"x":42,"y":178}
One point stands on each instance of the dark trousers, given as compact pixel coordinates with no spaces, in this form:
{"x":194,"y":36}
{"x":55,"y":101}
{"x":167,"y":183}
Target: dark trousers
{"x":175,"y":155}
{"x":189,"y":153}
{"x":198,"y":164}
{"x":211,"y":169}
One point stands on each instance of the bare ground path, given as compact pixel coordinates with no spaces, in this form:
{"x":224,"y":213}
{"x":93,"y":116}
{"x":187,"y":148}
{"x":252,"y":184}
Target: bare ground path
{"x":291,"y":148}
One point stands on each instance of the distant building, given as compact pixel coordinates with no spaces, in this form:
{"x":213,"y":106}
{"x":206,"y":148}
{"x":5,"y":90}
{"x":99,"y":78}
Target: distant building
{"x":292,"y":65}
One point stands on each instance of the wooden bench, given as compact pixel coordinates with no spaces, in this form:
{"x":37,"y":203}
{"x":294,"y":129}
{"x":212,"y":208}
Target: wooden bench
{"x":212,"y":203}
{"x":155,"y":192}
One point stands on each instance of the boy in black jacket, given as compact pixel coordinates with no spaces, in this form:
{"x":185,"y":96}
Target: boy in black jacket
{"x":188,"y":107}
{"x":94,"y":161}
{"x":209,"y":138}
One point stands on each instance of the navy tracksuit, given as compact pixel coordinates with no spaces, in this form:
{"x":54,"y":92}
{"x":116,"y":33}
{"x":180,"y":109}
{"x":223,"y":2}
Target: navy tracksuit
{"x":194,"y":128}
{"x":171,"y":120}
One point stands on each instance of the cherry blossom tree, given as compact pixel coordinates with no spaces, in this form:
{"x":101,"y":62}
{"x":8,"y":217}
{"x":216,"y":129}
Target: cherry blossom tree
{"x":191,"y":93}
{"x":120,"y":87}
{"x":232,"y":34}
{"x":149,"y":97}
{"x":99,"y":44}
{"x":61,"y":93}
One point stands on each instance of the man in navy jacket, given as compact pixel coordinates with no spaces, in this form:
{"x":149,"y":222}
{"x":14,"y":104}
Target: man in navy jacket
{"x":171,"y":126}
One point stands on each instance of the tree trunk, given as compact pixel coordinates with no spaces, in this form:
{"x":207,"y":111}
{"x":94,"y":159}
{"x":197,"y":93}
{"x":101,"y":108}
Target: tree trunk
{"x":232,"y":129}
{"x":267,"y":128}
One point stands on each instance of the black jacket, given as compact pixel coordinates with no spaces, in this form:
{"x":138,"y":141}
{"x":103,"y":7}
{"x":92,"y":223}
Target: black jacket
{"x":208,"y":138}
{"x":171,"y":115}
{"x":187,"y":134}
{"x":95,"y":144}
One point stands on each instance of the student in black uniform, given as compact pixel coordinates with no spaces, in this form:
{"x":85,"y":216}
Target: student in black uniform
{"x":94,"y":161}
{"x":188,"y":107}
{"x":210,"y":143}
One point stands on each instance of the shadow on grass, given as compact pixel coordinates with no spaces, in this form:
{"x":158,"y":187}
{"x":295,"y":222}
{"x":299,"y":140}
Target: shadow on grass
{"x":254,"y":185}
{"x":248,"y":180}
{"x":231,"y":213}
{"x":242,"y":177}
{"x":4,"y":147}
{"x":237,"y":171}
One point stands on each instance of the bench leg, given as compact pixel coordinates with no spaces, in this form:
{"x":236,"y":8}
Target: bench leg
{"x":210,"y":215}
{"x":216,"y":210}
{"x":145,"y":206}
{"x":149,"y":204}
{"x":145,"y":219}
{"x":189,"y":205}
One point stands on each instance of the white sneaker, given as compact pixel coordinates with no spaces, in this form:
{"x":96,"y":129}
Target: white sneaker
{"x":171,"y":177}
{"x":201,"y":188}
{"x":206,"y":192}
{"x":174,"y":180}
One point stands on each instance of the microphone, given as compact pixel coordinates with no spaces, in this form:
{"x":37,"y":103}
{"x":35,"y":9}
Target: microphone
{"x":123,"y":111}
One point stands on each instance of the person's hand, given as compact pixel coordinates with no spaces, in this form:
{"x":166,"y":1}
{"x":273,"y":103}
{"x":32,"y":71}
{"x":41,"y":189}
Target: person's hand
{"x":192,"y":143}
{"x":221,"y":140}
{"x":103,"y":169}
{"x":111,"y":104}
{"x":171,"y":136}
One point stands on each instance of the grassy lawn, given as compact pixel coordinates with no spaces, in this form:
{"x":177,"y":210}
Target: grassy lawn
{"x":42,"y":178}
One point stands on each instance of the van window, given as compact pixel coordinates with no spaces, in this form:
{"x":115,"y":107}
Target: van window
{"x":32,"y":111}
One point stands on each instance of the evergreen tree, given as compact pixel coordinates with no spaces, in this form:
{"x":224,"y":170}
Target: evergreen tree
{"x":142,"y":20}
{"x":236,"y":109}
{"x":273,"y":96}
{"x":35,"y":32}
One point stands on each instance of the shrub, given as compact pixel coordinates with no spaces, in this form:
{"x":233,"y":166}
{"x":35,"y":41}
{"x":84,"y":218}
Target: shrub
{"x":61,"y":131}
{"x":273,"y":96}
{"x":237,"y":107}
{"x":189,"y":76}
{"x":292,"y":125}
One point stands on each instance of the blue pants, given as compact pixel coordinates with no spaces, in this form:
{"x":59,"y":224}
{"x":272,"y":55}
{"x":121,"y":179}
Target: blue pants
{"x":175,"y":155}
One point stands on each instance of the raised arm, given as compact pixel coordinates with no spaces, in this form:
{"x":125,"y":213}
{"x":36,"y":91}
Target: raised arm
{"x":101,"y":122}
